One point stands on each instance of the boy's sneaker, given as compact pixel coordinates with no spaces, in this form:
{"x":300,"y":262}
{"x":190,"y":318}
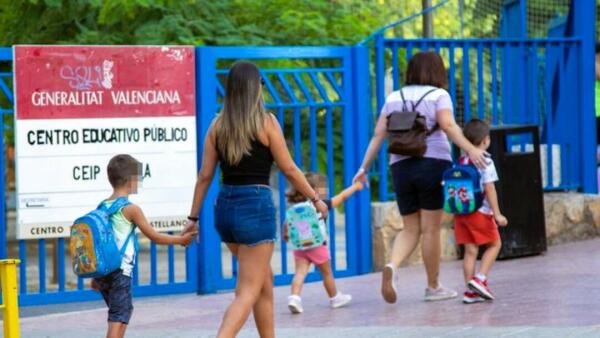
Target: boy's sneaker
{"x":481,"y":287}
{"x":388,"y":283}
{"x":441,"y":293}
{"x":471,"y":297}
{"x":295,"y":304}
{"x":340,"y":300}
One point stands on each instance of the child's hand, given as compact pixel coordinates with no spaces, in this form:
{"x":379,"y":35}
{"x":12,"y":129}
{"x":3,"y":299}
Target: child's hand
{"x":359,"y":186}
{"x":501,"y":220}
{"x":94,"y":285}
{"x":188,"y":237}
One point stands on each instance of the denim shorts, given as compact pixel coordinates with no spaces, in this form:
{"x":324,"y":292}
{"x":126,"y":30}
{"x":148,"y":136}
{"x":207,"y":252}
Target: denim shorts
{"x":116,"y":291}
{"x":418,"y":184}
{"x":245,"y":214}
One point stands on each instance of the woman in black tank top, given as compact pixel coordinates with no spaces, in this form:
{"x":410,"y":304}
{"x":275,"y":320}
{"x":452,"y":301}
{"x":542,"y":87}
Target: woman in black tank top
{"x":245,"y":140}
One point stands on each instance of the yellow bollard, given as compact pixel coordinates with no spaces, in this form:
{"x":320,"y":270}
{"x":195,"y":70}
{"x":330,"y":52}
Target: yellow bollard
{"x":10,"y":302}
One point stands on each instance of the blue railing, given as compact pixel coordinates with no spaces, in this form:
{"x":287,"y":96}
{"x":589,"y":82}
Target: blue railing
{"x":507,"y":82}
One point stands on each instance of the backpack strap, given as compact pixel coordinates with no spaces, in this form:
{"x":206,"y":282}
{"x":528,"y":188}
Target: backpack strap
{"x":422,"y":97}
{"x":131,"y":234}
{"x":117,"y":205}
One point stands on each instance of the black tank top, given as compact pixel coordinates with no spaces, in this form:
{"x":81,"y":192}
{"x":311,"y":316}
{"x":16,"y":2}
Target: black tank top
{"x":252,"y":169}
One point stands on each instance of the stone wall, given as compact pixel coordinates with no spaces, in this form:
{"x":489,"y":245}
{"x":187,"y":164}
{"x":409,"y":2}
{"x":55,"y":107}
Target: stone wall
{"x":569,"y":217}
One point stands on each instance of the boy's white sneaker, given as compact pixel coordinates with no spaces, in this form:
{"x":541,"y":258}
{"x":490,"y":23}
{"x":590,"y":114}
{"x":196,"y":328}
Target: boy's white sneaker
{"x":295,"y":304}
{"x":340,"y":300}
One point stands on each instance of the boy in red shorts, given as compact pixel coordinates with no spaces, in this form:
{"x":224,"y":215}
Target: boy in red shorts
{"x":481,"y":227}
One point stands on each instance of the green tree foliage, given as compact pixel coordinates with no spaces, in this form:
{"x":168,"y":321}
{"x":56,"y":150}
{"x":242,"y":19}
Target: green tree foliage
{"x":194,"y":22}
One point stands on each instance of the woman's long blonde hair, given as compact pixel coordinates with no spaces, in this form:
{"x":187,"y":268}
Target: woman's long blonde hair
{"x":243,"y":115}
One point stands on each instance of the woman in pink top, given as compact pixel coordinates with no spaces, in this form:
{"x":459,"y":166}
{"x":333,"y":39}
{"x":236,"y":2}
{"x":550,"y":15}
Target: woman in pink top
{"x":417,"y":180}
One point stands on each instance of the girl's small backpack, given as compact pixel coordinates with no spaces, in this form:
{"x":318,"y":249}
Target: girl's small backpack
{"x":462,"y":189}
{"x":305,"y":228}
{"x":92,"y":244}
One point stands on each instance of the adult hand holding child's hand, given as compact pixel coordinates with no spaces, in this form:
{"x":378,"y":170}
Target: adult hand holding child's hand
{"x":188,"y":237}
{"x":322,"y":208}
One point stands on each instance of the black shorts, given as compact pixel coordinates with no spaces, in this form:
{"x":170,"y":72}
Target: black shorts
{"x":116,"y":291}
{"x":418,"y":184}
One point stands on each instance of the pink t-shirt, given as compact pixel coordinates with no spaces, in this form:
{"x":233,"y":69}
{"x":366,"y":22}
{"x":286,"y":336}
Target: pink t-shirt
{"x":438,"y":145}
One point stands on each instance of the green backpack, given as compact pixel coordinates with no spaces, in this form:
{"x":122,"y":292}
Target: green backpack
{"x":305,"y":228}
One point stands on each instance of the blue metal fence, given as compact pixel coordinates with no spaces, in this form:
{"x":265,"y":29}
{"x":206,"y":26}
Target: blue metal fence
{"x":323,"y":101}
{"x":315,"y":102}
{"x":507,"y":82}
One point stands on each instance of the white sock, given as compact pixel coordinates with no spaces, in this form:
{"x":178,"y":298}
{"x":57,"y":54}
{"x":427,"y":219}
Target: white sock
{"x":296,"y":297}
{"x":481,"y":276}
{"x":336,"y":296}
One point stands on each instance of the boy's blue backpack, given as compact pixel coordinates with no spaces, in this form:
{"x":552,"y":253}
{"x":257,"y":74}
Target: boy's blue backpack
{"x":93,"y":246}
{"x":306,"y":230}
{"x":462,"y":189}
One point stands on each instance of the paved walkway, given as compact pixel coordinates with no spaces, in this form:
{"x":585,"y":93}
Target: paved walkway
{"x":555,"y":295}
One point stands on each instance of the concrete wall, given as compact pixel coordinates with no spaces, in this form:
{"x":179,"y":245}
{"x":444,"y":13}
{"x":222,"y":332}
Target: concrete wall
{"x":569,"y":217}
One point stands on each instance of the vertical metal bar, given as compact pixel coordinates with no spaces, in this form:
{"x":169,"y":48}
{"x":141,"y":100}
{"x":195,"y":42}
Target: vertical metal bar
{"x":584,"y":24}
{"x":314,"y":163}
{"x":282,"y":203}
{"x":480,"y":81}
{"x":297,"y":138}
{"x":549,"y":117}
{"x":523,"y":70}
{"x":452,"y":71}
{"x":362,"y":111}
{"x":153,"y":263}
{"x":208,"y":251}
{"x":506,"y":83}
{"x":494,"y":85}
{"x":61,"y":264}
{"x":3,"y":243}
{"x":409,"y":51}
{"x":395,"y":67}
{"x":136,"y":272}
{"x":349,"y":147}
{"x":234,"y":266}
{"x":23,"y":267}
{"x":533,"y":85}
{"x":331,"y":180}
{"x":171,"y":260}
{"x":42,"y":265}
{"x":380,"y":95}
{"x":466,"y":83}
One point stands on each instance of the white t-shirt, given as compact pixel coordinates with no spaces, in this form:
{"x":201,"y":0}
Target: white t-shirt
{"x":488,"y":175}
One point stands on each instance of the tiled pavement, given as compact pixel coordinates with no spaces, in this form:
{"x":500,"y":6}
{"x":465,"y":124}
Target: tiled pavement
{"x":555,"y":295}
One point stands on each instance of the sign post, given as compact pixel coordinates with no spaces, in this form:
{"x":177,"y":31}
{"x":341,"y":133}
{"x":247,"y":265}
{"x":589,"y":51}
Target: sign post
{"x":78,"y":106}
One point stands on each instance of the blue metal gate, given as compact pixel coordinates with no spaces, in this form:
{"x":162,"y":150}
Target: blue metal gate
{"x":320,"y":96}
{"x":507,"y":82}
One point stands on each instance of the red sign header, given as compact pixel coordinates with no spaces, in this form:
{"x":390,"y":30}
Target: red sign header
{"x":64,"y":82}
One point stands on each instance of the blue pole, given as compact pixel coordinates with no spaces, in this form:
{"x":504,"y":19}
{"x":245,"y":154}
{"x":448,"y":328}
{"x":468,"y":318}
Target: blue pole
{"x":362,"y":111}
{"x":380,"y":95}
{"x":209,"y":250}
{"x":583,"y":21}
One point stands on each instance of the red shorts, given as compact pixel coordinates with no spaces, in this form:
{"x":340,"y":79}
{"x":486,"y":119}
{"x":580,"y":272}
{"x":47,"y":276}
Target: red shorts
{"x":316,"y":256}
{"x":476,"y":228}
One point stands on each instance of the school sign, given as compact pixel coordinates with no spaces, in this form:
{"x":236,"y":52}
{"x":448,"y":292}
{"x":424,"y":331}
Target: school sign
{"x":77,"y":106}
